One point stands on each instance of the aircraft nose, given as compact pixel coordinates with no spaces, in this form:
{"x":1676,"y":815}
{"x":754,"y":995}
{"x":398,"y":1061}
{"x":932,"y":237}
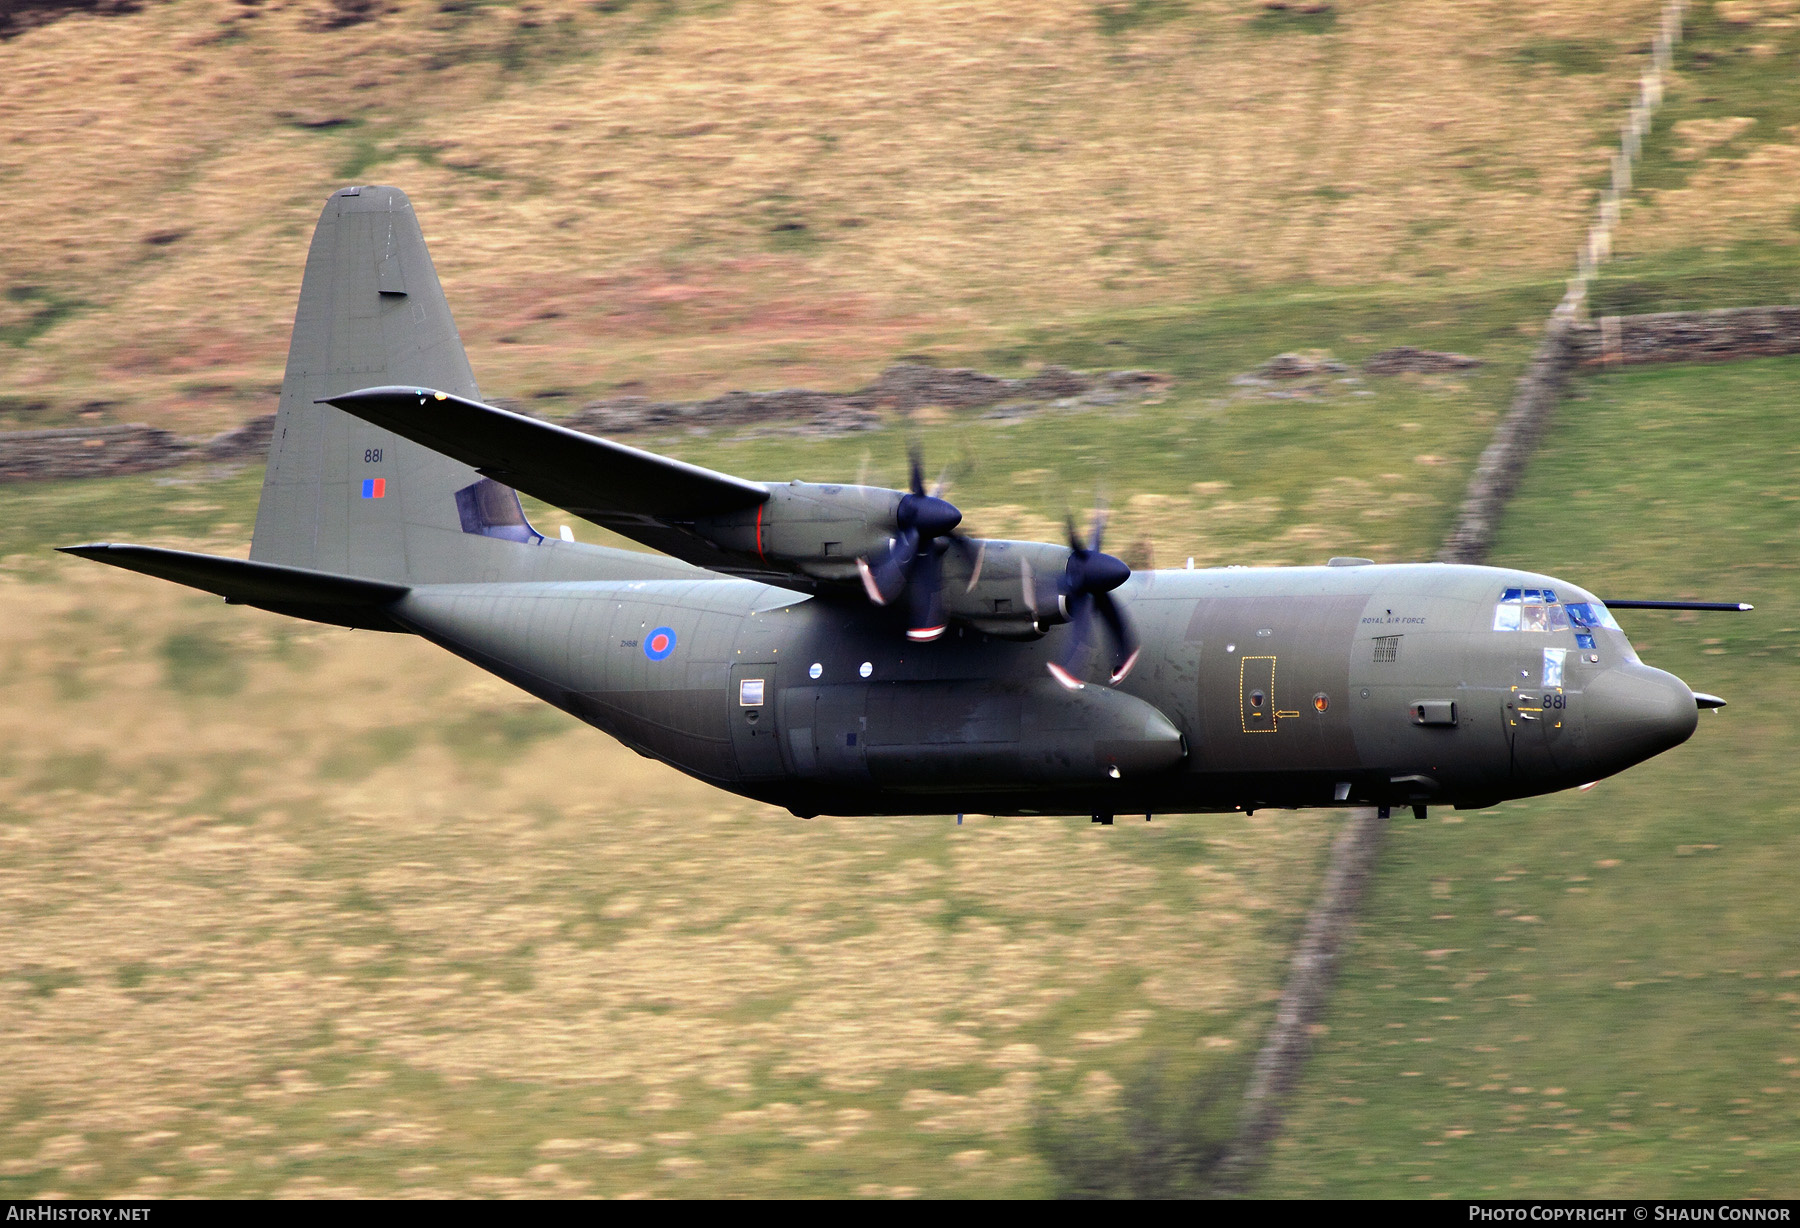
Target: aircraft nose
{"x":1634,"y":712}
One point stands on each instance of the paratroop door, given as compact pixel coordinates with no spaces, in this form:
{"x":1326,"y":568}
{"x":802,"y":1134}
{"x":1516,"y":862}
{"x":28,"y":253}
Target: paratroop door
{"x":755,"y":730}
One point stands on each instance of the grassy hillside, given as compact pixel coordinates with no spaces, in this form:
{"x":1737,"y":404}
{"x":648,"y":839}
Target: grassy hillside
{"x":405,"y":929}
{"x":292,"y":909}
{"x":1596,"y":993}
{"x":1714,"y":216}
{"x":698,"y":196}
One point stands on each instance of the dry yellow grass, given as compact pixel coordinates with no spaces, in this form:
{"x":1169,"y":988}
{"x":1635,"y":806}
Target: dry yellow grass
{"x":1751,"y":196}
{"x":763,"y":193}
{"x":293,"y":909}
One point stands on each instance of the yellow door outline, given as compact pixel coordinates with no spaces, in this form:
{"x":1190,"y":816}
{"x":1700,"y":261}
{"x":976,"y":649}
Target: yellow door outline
{"x":1244,"y":709}
{"x":1519,"y":711}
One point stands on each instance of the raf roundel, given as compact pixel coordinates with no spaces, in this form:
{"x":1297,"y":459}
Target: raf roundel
{"x":659,"y":643}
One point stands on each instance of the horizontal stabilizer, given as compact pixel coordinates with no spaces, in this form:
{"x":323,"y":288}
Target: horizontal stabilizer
{"x":582,"y":473}
{"x":321,"y":596}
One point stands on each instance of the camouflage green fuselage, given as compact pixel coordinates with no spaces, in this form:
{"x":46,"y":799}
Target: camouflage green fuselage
{"x":1258,"y":687}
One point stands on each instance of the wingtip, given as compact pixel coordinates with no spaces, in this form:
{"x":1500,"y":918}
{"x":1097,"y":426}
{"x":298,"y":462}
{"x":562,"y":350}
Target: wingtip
{"x":386,"y":392}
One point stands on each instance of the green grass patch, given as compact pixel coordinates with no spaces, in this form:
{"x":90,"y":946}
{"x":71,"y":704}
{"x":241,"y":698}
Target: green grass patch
{"x":1590,"y":995}
{"x":1116,"y":17}
{"x":1723,"y":71}
{"x":1165,"y":1138}
{"x":1748,"y":273}
{"x":45,"y":309}
{"x":1299,"y":18}
{"x":201,"y":661}
{"x":367,"y":752}
{"x":1573,"y":56}
{"x":37,"y":516}
{"x":499,"y":733}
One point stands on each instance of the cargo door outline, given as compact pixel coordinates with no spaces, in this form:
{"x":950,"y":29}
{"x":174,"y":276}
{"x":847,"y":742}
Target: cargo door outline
{"x":1257,"y":710}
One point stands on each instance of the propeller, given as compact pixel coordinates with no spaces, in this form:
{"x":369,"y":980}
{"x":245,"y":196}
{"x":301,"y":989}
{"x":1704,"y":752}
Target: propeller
{"x":913,"y":562}
{"x":1084,"y":592}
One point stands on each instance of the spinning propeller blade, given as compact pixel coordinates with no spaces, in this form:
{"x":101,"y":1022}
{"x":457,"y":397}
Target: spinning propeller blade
{"x":1085,"y":589}
{"x":913,"y":562}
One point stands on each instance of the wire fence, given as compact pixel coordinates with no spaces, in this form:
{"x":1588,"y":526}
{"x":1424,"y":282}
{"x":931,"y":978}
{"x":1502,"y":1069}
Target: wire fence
{"x":1598,"y":247}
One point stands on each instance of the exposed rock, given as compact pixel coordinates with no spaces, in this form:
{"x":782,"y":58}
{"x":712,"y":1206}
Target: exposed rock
{"x":18,"y":16}
{"x":1406,"y":359}
{"x":341,"y":14}
{"x":1301,"y":365}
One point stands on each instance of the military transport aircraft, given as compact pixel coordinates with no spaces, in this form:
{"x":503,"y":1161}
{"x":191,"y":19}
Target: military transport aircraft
{"x":844,"y":649}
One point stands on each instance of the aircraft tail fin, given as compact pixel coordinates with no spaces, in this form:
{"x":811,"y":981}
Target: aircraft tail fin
{"x":342,"y":496}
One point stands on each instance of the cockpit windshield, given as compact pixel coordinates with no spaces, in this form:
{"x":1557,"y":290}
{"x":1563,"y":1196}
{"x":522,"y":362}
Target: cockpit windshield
{"x":1537,"y":609}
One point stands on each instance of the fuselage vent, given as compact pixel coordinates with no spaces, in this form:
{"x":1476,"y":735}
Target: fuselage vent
{"x":1387,"y":648}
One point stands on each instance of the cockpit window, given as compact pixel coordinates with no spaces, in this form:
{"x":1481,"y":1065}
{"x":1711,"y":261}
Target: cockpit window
{"x":1536,"y":609}
{"x":1591,"y":614}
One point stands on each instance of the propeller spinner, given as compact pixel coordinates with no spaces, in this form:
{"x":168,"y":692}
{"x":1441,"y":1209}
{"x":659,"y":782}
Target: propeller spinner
{"x":913,"y":562}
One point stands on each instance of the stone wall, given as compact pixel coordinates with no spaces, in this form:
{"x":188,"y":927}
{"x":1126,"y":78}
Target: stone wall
{"x":902,"y":388}
{"x":99,"y":451}
{"x":1503,"y":462}
{"x":1688,"y":336}
{"x":89,"y":451}
{"x":105,"y":451}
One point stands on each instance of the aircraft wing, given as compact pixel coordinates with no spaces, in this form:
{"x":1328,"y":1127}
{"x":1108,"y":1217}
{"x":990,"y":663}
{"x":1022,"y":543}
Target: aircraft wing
{"x":648,"y":498}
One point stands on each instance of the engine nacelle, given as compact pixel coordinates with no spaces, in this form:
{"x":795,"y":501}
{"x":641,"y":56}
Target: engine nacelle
{"x":822,"y":530}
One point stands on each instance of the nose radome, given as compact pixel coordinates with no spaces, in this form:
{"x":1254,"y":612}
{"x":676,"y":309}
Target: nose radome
{"x":1634,"y":712}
